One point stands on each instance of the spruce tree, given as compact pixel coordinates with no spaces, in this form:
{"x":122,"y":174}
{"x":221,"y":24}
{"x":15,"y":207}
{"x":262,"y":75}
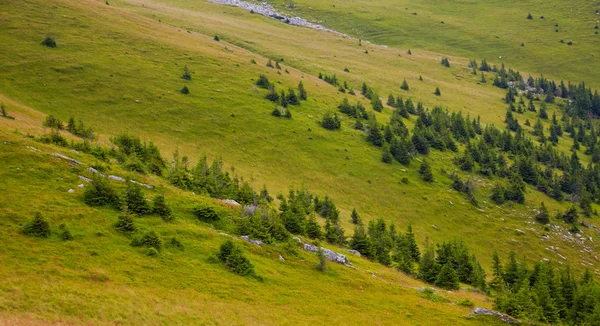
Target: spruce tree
{"x":437,"y":92}
{"x":135,"y":201}
{"x":386,"y":156}
{"x":542,"y":216}
{"x":447,"y":278}
{"x":313,"y":228}
{"x":37,"y":227}
{"x":355,"y":217}
{"x":160,"y":208}
{"x":428,"y":268}
{"x":425,"y":171}
{"x":404,"y":85}
{"x":302,"y":92}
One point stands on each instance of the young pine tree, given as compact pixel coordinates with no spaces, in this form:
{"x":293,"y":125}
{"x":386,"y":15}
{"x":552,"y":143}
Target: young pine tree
{"x":425,"y":171}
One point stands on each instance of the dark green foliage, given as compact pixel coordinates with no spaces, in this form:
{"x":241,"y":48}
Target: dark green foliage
{"x":4,"y":113}
{"x":360,"y":241}
{"x":331,"y":121}
{"x":425,"y":171}
{"x":529,"y":16}
{"x":232,"y":255}
{"x":186,"y":73}
{"x":125,"y":223}
{"x":216,"y":38}
{"x":302,"y":92}
{"x":175,"y":243}
{"x":149,"y":240}
{"x":428,"y":268}
{"x":135,"y":201}
{"x":206,"y":214}
{"x":542,"y":216}
{"x":53,"y":122}
{"x":292,"y":98}
{"x":65,"y":234}
{"x":160,"y":208}
{"x":49,"y":42}
{"x":570,"y":216}
{"x":313,"y":228}
{"x":138,"y":156}
{"x":37,"y":227}
{"x":437,"y":92}
{"x":270,"y":64}
{"x":185,"y":90}
{"x":355,"y":217}
{"x":272,"y":95}
{"x":447,"y":278}
{"x":322,"y":259}
{"x":404,"y":85}
{"x":263,"y":82}
{"x":100,"y":193}
{"x":445,"y":62}
{"x":387,"y":155}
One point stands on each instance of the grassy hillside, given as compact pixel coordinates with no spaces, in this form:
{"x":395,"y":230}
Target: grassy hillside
{"x":118,"y":68}
{"x":477,"y":29}
{"x":99,"y":278}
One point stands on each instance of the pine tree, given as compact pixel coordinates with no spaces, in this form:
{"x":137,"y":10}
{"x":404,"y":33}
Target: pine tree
{"x":404,"y":85}
{"x":428,"y":268}
{"x":425,"y":171}
{"x":447,"y":278}
{"x":37,"y":227}
{"x":437,"y":92}
{"x":313,"y":228}
{"x":355,"y":217}
{"x":302,"y":92}
{"x":360,"y":242}
{"x":413,"y":248}
{"x":292,"y":98}
{"x":482,"y":80}
{"x":386,"y":156}
{"x":186,"y":73}
{"x":160,"y":208}
{"x":135,"y":201}
{"x":542,"y":216}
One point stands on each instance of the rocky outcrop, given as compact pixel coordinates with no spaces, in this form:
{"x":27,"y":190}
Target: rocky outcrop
{"x":329,"y":254}
{"x":266,"y":9}
{"x":501,"y":316}
{"x":252,"y":241}
{"x":71,"y":160}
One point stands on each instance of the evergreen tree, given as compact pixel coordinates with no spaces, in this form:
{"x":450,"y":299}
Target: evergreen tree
{"x":437,"y":91}
{"x":263,"y":82}
{"x":302,"y":92}
{"x":313,"y":228}
{"x":135,"y":201}
{"x":425,"y":171}
{"x":331,"y":121}
{"x":355,"y":217}
{"x":272,"y":95}
{"x":413,"y":248}
{"x":360,"y":241}
{"x":404,"y":85}
{"x":292,"y":98}
{"x":542,"y":216}
{"x":428,"y":268}
{"x":37,"y":227}
{"x":160,"y":208}
{"x":447,"y":278}
{"x":386,"y":156}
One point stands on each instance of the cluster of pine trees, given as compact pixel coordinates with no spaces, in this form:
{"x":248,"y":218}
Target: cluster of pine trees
{"x":544,"y":293}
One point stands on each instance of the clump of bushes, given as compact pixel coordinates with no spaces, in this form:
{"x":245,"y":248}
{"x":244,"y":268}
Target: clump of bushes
{"x":149,"y":240}
{"x":49,"y":42}
{"x":135,"y":200}
{"x":65,"y":234}
{"x":161,"y":208}
{"x":206,"y":214}
{"x":100,"y":193}
{"x":234,"y":258}
{"x":331,"y":121}
{"x":37,"y":227}
{"x":125,"y":223}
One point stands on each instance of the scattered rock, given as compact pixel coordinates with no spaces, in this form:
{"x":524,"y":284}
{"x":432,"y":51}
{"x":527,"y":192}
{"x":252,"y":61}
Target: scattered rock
{"x":281,"y":258}
{"x":297,"y":239}
{"x":329,"y":254}
{"x":71,"y":191}
{"x":142,"y":184}
{"x":117,"y":178}
{"x":231,"y":202}
{"x":85,"y":179}
{"x":501,"y":316}
{"x":33,"y":149}
{"x":67,"y":158}
{"x":256,"y":242}
{"x":80,"y":186}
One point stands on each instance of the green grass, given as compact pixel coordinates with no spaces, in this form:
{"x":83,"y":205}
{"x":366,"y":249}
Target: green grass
{"x":118,"y":69}
{"x":98,"y":277}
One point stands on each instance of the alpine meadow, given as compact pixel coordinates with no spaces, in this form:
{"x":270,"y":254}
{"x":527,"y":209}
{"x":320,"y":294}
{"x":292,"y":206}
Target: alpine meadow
{"x":301,"y":162}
